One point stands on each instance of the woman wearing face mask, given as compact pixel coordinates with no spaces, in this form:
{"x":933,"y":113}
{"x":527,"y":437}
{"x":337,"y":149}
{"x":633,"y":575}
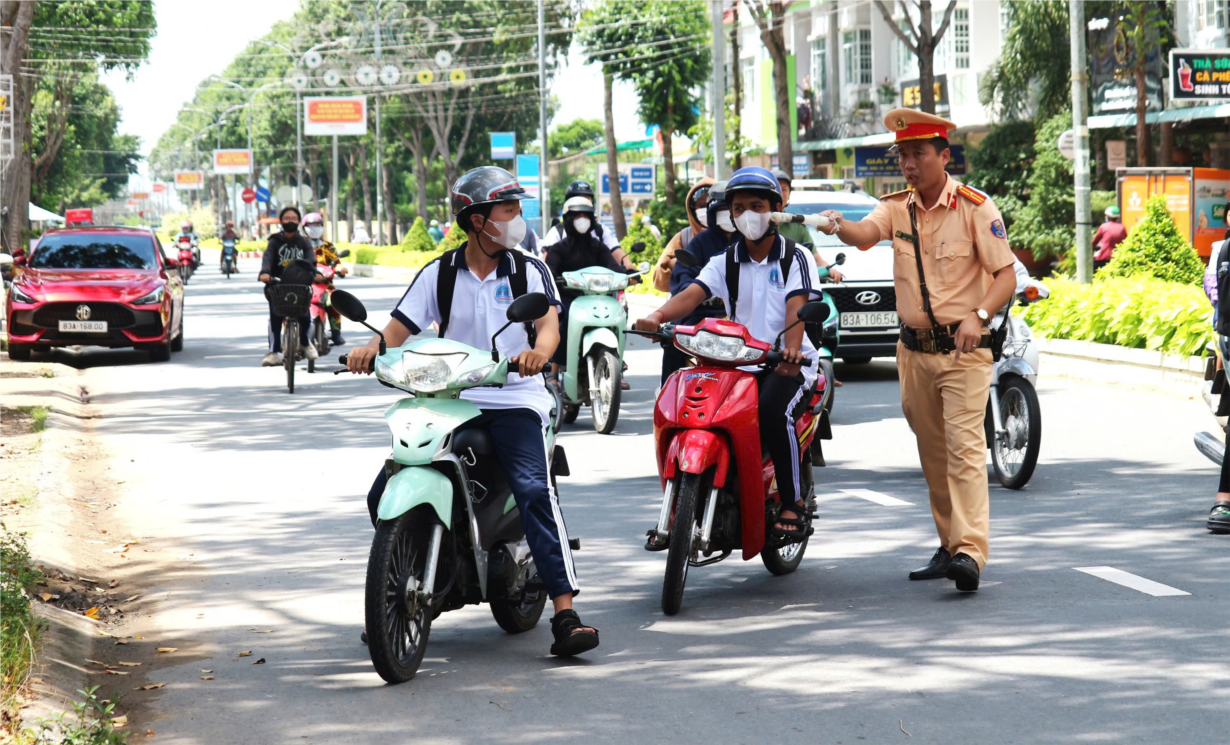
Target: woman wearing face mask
{"x":290,"y":256}
{"x":697,"y":203}
{"x":326,"y":255}
{"x":578,"y":249}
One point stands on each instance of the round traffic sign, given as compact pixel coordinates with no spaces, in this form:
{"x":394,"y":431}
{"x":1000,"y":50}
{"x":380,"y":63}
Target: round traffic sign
{"x":1067,"y":144}
{"x":248,"y":196}
{"x":285,"y":194}
{"x":262,"y":194}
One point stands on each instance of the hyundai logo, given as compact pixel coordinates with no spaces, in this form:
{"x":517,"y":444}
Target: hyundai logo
{"x":83,"y":312}
{"x":867,"y":297}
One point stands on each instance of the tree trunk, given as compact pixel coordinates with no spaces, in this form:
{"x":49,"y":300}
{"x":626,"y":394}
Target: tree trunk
{"x":1142,"y":126}
{"x":418,"y":159}
{"x":365,"y":184}
{"x":926,"y":59}
{"x":775,"y":41}
{"x":612,"y":159}
{"x":15,"y":185}
{"x":387,"y":170}
{"x":736,"y":84}
{"x":668,"y":160}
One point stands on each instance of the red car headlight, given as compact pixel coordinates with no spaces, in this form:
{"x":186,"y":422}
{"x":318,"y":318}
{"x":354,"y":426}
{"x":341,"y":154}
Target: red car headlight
{"x":151,"y":298}
{"x":19,"y":296}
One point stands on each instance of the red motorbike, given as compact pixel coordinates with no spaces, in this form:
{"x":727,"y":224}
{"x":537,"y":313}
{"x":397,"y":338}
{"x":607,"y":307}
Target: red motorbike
{"x":719,"y":490}
{"x":187,"y":260}
{"x":321,"y":304}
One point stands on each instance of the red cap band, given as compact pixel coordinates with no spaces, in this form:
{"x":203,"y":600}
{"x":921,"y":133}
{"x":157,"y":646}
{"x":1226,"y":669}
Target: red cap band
{"x":921,"y":131}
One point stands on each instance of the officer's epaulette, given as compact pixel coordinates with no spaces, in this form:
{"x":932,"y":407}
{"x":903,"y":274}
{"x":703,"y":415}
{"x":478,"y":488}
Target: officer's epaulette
{"x":972,"y":194}
{"x":901,"y":193}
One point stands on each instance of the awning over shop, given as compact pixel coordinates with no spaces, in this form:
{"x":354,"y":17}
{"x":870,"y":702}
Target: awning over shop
{"x":619,"y":148}
{"x":38,"y":213}
{"x":1106,"y":121}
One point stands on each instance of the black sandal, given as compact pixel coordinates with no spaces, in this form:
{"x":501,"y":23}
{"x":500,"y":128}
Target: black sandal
{"x":802,"y":529}
{"x":571,"y":636}
{"x":1219,"y":517}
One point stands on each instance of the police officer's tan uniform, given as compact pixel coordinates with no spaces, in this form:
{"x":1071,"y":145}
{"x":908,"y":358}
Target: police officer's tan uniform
{"x":963,"y":242}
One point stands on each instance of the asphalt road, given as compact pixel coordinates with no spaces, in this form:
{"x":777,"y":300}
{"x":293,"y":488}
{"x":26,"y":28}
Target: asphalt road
{"x":253,"y":500}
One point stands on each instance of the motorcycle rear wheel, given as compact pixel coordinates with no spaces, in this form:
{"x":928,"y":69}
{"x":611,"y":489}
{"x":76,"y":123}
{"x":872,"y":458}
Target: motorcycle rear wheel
{"x":290,"y":350}
{"x":684,"y":529}
{"x":608,"y":370}
{"x":515,"y":617}
{"x":397,"y":624}
{"x":1019,"y":409}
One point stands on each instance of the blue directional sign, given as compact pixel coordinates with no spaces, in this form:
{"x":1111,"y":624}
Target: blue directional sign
{"x":635,"y":180}
{"x":503,"y":145}
{"x":527,"y":176}
{"x":262,"y":194}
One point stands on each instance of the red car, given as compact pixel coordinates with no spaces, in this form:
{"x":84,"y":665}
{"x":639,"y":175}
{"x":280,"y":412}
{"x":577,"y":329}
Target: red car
{"x":97,"y":286}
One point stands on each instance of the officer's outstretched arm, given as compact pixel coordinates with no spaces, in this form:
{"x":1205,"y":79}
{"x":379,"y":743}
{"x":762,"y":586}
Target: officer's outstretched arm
{"x":863,"y":233}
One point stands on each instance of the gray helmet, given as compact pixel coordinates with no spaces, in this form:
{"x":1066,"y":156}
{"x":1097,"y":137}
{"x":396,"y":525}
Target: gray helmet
{"x":781,"y":175}
{"x":484,"y":185}
{"x":717,"y":192}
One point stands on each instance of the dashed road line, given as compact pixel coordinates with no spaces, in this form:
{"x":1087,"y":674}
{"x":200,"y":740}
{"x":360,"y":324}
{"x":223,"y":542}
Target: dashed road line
{"x":1135,"y":582}
{"x":877,"y":497}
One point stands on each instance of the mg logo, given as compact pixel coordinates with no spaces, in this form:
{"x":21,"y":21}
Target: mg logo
{"x":83,"y":312}
{"x":867,"y":297}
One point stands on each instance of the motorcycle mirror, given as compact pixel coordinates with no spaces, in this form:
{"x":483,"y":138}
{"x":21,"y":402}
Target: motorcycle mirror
{"x":644,"y":267}
{"x":349,"y":306}
{"x":841,"y":259}
{"x":817,"y":311}
{"x":343,"y":253}
{"x":687,"y":258}
{"x":637,"y":247}
{"x":528,"y":307}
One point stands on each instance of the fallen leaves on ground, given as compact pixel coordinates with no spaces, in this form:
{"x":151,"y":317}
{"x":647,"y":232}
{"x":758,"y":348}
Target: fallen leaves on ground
{"x":131,"y":664}
{"x":92,"y":613}
{"x":150,"y":687}
{"x":119,"y":721}
{"x":166,"y":650}
{"x":261,"y":631}
{"x":207,"y":671}
{"x":149,"y":733}
{"x":207,"y":677}
{"x":115,"y":672}
{"x":113,"y":583}
{"x":261,"y":661}
{"x":129,"y":600}
{"x":248,"y":653}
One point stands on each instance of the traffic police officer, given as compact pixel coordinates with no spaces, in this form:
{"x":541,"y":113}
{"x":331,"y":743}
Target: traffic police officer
{"x":952,"y":270}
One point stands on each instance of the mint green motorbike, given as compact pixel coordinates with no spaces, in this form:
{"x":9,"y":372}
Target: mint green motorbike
{"x":594,"y":363}
{"x":449,"y":532}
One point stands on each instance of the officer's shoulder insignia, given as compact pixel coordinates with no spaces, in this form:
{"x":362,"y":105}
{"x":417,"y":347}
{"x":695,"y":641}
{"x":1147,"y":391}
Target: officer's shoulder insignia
{"x":997,"y":229}
{"x":972,"y":194}
{"x":902,"y":193}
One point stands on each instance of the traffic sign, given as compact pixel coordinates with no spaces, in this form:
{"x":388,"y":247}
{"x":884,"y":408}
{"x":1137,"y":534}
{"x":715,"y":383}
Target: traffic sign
{"x":262,"y":194}
{"x":248,"y":196}
{"x":1067,"y":144}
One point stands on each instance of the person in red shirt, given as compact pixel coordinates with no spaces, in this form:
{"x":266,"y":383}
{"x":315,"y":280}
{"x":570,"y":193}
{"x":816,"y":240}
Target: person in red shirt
{"x":1110,"y":234}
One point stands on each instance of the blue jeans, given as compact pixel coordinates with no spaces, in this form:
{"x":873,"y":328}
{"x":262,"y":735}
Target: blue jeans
{"x":519,"y":438}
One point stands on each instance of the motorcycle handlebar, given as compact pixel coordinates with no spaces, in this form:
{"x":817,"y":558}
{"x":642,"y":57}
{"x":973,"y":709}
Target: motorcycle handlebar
{"x":344,"y":360}
{"x":774,"y":358}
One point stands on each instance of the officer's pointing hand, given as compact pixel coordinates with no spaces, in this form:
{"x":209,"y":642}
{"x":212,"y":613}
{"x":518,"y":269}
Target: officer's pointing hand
{"x":835,"y":219}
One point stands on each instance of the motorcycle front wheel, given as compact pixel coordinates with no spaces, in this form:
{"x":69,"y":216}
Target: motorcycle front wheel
{"x":608,"y":370}
{"x":397,"y":623}
{"x":684,"y":530}
{"x":1015,"y":457}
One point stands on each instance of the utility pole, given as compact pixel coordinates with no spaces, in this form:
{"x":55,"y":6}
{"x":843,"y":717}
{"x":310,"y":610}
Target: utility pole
{"x":544,"y":195}
{"x":719,"y":91}
{"x":333,"y":196}
{"x":379,"y":232}
{"x":1080,"y":127}
{"x":298,"y":146}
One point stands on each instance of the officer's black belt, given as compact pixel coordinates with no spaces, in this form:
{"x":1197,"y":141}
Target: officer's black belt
{"x":940,"y":340}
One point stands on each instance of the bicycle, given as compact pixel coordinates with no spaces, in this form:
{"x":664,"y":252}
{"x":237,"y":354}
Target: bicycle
{"x":290,"y":302}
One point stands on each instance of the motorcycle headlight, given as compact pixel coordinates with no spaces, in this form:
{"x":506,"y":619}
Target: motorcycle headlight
{"x":474,"y":377}
{"x":718,"y":347}
{"x":21,"y":297}
{"x":599,"y":282}
{"x":152,"y":297}
{"x":430,"y":372}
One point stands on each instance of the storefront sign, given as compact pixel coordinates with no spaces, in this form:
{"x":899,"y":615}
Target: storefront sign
{"x":160,"y":188}
{"x":232,"y":161}
{"x":189,"y":179}
{"x":335,"y":115}
{"x":1112,"y":69}
{"x":1199,"y":75}
{"x":140,"y":196}
{"x":911,"y":93}
{"x":877,"y":161}
{"x":1116,"y":154}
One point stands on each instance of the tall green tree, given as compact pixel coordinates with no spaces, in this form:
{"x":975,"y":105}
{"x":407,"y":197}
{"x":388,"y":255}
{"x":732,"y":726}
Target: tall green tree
{"x":1035,"y":61}
{"x":770,"y":17}
{"x":574,"y":137}
{"x":920,"y":40}
{"x":1001,"y":166}
{"x":1045,"y":225}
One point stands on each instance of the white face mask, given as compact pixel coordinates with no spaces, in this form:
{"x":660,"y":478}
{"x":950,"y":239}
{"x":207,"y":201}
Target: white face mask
{"x":314,"y":231}
{"x":753,"y":225}
{"x":582,"y":225}
{"x":702,"y":217}
{"x":507,"y":234}
{"x":723,"y":221}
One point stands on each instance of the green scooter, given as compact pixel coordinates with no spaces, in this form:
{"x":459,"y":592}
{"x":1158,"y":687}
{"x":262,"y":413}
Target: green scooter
{"x":594,"y":361}
{"x":449,"y":533}
{"x":829,"y":336}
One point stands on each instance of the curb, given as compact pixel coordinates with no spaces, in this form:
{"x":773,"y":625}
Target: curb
{"x":1108,"y":363}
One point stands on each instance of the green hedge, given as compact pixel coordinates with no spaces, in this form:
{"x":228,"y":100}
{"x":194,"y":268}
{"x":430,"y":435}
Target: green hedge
{"x":1139,"y":312}
{"x":391,"y":256}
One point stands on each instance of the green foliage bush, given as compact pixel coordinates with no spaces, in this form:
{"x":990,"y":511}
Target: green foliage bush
{"x":19,"y":629}
{"x":202,"y":219}
{"x":1001,"y":166}
{"x":396,"y":256}
{"x":1154,"y":248}
{"x":453,"y":239}
{"x":1138,"y":312}
{"x":417,"y":238}
{"x":653,"y":250}
{"x":1046,"y":224}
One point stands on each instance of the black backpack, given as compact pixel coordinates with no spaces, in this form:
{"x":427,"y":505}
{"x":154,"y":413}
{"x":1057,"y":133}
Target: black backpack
{"x":732,"y":271}
{"x":447,"y":279}
{"x":1223,"y":287}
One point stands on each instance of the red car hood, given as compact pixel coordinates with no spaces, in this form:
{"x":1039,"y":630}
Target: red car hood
{"x":120,"y":285}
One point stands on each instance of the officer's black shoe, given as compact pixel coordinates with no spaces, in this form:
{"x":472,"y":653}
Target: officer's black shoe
{"x":964,"y":570}
{"x":937,"y":568}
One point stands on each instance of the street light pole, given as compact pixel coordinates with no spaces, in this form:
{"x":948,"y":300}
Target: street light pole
{"x":544,"y":193}
{"x":379,"y":168}
{"x":1084,"y":248}
{"x":719,"y":91}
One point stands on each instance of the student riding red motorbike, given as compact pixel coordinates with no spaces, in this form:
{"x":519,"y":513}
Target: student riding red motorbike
{"x":734,"y":435}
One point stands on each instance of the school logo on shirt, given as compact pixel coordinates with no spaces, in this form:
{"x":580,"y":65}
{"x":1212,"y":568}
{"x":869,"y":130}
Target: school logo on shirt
{"x":503,"y":295}
{"x":775,"y":279}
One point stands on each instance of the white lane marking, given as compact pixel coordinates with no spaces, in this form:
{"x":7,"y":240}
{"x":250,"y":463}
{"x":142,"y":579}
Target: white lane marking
{"x":875,"y":496}
{"x":1135,"y":582}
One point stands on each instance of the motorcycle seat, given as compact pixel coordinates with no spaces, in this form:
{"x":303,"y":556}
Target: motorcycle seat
{"x":473,"y":439}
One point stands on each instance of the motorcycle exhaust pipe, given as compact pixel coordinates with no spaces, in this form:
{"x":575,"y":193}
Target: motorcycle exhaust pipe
{"x":1211,"y":447}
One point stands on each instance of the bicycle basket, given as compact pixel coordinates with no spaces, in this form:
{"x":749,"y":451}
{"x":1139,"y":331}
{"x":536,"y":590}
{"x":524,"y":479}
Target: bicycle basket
{"x":291,"y":301}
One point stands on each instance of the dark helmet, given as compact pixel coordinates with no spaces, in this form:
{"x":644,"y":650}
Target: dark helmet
{"x":484,"y":185}
{"x":579,"y":188}
{"x":717,"y":192}
{"x":781,"y":175}
{"x":755,"y":179}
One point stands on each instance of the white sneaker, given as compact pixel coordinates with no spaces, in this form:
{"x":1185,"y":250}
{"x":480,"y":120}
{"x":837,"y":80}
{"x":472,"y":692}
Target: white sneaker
{"x":273,"y":359}
{"x":311,"y":352}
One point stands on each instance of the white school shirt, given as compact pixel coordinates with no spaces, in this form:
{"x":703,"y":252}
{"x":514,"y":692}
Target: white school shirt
{"x":763,"y":293}
{"x":556,"y":234}
{"x":479,"y":308}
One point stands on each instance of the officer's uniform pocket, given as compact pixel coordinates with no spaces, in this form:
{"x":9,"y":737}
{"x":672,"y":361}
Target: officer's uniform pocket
{"x":956,"y":261}
{"x":904,"y":264}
